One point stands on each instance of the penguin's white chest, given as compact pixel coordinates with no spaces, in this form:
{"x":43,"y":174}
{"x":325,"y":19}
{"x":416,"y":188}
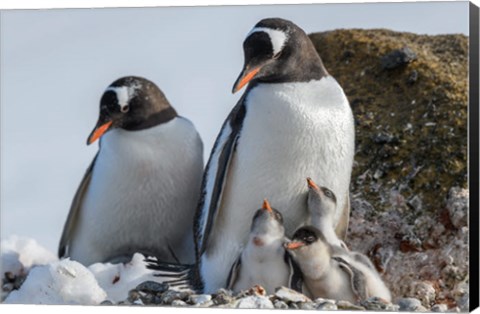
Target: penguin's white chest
{"x":291,"y":131}
{"x":142,"y":194}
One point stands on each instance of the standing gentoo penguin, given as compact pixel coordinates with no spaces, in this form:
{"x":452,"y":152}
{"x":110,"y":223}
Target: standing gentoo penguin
{"x":330,"y":275}
{"x":264,"y":261}
{"x":294,"y":119}
{"x":140,"y":192}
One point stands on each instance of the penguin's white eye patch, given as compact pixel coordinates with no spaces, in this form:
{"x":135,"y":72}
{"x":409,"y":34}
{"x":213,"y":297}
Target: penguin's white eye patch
{"x":124,"y":94}
{"x":277,"y":38}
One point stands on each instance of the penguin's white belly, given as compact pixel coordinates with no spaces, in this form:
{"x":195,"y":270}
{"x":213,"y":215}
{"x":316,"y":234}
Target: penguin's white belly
{"x":291,"y":131}
{"x":142,"y":195}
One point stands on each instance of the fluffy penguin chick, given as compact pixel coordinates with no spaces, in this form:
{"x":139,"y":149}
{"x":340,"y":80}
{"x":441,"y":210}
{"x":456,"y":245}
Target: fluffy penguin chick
{"x":333,"y":276}
{"x":264,"y":261}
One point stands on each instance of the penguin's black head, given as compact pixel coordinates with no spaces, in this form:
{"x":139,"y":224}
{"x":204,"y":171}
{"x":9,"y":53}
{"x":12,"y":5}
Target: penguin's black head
{"x":277,"y":50}
{"x":305,"y":236}
{"x":131,"y":103}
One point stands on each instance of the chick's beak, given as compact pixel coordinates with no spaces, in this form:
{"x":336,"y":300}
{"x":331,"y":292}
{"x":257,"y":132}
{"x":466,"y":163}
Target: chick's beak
{"x":266,"y":206}
{"x":312,"y":184}
{"x":293,"y":245}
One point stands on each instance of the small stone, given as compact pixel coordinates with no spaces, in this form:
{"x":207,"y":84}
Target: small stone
{"x":327,"y":305}
{"x":345,"y":305}
{"x":376,"y":304}
{"x":254,"y":302}
{"x":138,"y":302}
{"x":152,"y":287}
{"x":415,"y":202}
{"x":8,"y":287}
{"x":178,"y":303}
{"x":385,"y":138}
{"x":306,"y":305}
{"x":290,"y":295}
{"x":9,"y":276}
{"x":293,"y":306}
{"x":457,"y":206}
{"x":106,"y":302}
{"x":280,"y":305}
{"x":171,"y":295}
{"x":199,"y":299}
{"x":439,"y":308}
{"x":412,"y":78}
{"x":409,"y":304}
{"x":133,"y":295}
{"x":398,"y":58}
{"x":425,"y":292}
{"x":222,"y":296}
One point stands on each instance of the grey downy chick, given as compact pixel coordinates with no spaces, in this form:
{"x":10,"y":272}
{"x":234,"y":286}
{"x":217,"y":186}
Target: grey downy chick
{"x":264,"y":261}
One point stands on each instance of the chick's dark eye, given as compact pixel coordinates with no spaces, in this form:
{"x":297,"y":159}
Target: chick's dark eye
{"x":310,"y":239}
{"x":125,"y":108}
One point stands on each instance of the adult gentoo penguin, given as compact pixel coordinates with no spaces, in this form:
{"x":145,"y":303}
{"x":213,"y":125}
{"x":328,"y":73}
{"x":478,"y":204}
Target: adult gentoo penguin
{"x":264,"y":261}
{"x":140,"y":192}
{"x":328,"y":274}
{"x":293,"y":121}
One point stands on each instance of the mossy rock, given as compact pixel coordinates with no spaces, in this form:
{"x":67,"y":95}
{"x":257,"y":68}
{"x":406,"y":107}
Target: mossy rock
{"x":411,"y":121}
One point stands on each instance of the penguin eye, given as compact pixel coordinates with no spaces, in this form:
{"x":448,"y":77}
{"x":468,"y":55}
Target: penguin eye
{"x":328,"y":193}
{"x":125,"y":108}
{"x":310,"y":239}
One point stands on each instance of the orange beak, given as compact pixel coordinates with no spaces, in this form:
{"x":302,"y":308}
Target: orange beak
{"x":98,"y":132}
{"x":266,"y":206}
{"x":294,"y":245}
{"x":312,"y":184}
{"x":245,"y":78}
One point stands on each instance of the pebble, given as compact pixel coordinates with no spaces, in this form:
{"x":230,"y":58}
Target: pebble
{"x":280,"y":305}
{"x":398,"y":58}
{"x":378,"y":304}
{"x":254,"y":302}
{"x":439,"y":308}
{"x":133,"y":295}
{"x":409,"y":304}
{"x":171,"y":295}
{"x":178,"y":303}
{"x":222,"y":296}
{"x":199,"y":299}
{"x":152,"y":287}
{"x":345,"y":305}
{"x":457,"y":206}
{"x":8,"y":287}
{"x":327,"y":305}
{"x":106,"y":302}
{"x":306,"y":305}
{"x":290,"y":295}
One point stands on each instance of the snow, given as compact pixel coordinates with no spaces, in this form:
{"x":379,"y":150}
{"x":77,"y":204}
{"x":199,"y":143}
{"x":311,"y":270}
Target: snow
{"x":19,"y":254}
{"x":53,"y":281}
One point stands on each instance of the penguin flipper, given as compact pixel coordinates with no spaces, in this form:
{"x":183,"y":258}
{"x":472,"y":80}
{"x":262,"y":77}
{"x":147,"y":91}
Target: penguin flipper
{"x":234,"y":273}
{"x":342,"y":226}
{"x":72,"y":218}
{"x":295,"y":278}
{"x":358,"y":280}
{"x":215,"y":176}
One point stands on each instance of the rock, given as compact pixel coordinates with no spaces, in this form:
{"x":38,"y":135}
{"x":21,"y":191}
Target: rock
{"x":106,"y":302}
{"x":457,"y":206}
{"x":169,"y":296}
{"x":254,"y":302}
{"x":398,"y":58}
{"x":222,"y":296}
{"x":439,"y":308}
{"x":412,"y":78}
{"x":133,"y":295}
{"x":409,"y":304}
{"x":8,"y":287}
{"x":178,"y":303}
{"x":278,"y":304}
{"x":306,"y":305}
{"x":326,"y":305}
{"x":152,"y":287}
{"x":425,"y":292}
{"x":378,"y":304}
{"x":289,"y":295}
{"x":199,"y":299}
{"x":345,"y":305}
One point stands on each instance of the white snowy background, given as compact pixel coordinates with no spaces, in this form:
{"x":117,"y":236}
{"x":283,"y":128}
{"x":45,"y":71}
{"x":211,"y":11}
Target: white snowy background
{"x":55,"y":65}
